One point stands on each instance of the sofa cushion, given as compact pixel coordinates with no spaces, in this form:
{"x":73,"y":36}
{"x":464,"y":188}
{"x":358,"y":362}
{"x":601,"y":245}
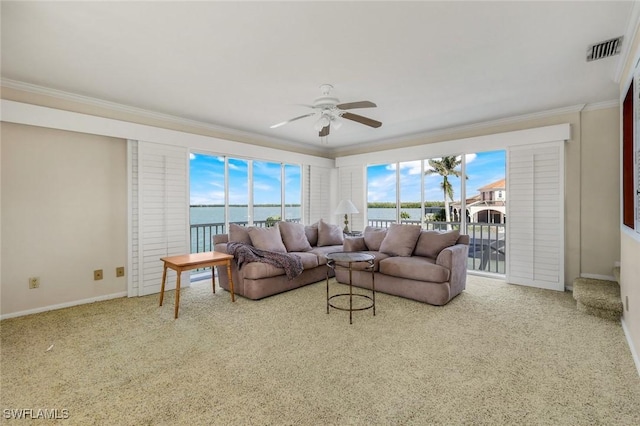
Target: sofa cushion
{"x":414,"y":268}
{"x":431,"y":243}
{"x":400,"y":239}
{"x":322,"y":252}
{"x":267,"y":239}
{"x":361,"y":266}
{"x":309,"y":260}
{"x":293,"y":236}
{"x":373,"y":237}
{"x":311,"y":232}
{"x":258,"y":270}
{"x":328,"y":234}
{"x":239,"y":234}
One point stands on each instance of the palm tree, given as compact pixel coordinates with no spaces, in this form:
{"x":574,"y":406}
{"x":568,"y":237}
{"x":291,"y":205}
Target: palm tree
{"x":445,"y":167}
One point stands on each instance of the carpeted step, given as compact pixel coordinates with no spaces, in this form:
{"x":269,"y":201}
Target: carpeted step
{"x":598,"y":297}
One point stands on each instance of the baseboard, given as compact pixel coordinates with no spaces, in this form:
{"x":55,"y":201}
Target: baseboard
{"x":634,"y":354}
{"x":64,"y":305}
{"x":598,"y":277}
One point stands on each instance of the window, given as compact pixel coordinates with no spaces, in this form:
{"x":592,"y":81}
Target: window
{"x":292,"y":193}
{"x":485,"y":210}
{"x":381,"y":195}
{"x":253,"y":195}
{"x":410,"y":183}
{"x":267,"y":193}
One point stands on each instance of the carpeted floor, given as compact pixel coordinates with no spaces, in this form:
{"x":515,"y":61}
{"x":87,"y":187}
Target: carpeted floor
{"x":497,"y":354}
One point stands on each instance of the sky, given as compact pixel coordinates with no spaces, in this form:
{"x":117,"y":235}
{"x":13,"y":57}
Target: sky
{"x":207,"y":180}
{"x":482,"y":168}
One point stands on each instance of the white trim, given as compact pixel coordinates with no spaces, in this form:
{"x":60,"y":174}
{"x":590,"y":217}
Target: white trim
{"x":64,"y":305}
{"x":631,"y":233}
{"x":558,"y":132}
{"x":113,"y":106}
{"x":614,"y":103}
{"x":574,"y":109}
{"x":34,"y":115}
{"x":634,"y":354}
{"x":598,"y":277}
{"x":59,"y":94}
{"x":629,"y":36}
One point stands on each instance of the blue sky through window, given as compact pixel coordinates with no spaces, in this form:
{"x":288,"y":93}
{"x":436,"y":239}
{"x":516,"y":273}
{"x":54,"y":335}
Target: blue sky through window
{"x":482,"y":168}
{"x":207,"y":181}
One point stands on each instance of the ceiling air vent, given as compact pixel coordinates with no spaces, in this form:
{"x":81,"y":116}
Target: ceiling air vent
{"x":604,"y":49}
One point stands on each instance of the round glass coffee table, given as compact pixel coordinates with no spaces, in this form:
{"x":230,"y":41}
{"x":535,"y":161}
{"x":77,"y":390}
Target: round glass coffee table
{"x":346,"y":260}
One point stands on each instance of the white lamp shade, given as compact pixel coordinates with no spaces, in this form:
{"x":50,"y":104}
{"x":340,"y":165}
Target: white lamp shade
{"x":346,"y":207}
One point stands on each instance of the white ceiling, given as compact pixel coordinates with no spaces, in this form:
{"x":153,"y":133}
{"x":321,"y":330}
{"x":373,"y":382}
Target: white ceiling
{"x":249,"y":65}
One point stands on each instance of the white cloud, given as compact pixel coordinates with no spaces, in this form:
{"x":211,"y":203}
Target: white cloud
{"x":192,"y":156}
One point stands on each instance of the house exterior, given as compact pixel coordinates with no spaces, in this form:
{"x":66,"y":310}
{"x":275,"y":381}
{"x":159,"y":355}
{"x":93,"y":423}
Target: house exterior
{"x":488,"y":206}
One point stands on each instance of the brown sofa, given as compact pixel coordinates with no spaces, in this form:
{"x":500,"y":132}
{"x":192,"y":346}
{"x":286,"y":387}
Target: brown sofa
{"x":427,"y":266}
{"x":256,"y":280}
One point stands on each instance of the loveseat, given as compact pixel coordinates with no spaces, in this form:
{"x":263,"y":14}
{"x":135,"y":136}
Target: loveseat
{"x":427,"y":266}
{"x":256,"y":280}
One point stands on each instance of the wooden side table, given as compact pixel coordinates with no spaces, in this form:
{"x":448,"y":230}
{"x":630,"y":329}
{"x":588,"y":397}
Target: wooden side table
{"x":186,"y":262}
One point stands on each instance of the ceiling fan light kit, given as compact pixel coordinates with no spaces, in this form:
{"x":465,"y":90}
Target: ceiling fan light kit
{"x":331,"y":112}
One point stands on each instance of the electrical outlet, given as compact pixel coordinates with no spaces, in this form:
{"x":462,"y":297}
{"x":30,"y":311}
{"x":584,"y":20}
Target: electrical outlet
{"x":97,"y":274}
{"x":120,"y":271}
{"x":34,"y":282}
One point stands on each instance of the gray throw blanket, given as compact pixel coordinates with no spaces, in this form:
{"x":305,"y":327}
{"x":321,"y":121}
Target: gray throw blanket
{"x":245,"y":253}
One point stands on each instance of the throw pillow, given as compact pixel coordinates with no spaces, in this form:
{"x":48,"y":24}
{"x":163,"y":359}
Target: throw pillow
{"x":267,"y":239}
{"x":293,"y":236}
{"x":239,"y":234}
{"x":400,"y":240}
{"x":328,"y":234}
{"x":311,"y":232}
{"x":431,"y":243}
{"x":373,"y":237}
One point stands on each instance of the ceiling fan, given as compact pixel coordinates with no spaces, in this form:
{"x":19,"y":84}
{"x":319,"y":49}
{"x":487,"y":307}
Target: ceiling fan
{"x":331,"y":112}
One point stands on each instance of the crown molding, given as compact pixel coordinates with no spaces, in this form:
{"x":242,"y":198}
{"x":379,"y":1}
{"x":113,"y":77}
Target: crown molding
{"x":633,"y":24}
{"x":602,"y":105}
{"x":238,"y":135}
{"x":416,"y":137}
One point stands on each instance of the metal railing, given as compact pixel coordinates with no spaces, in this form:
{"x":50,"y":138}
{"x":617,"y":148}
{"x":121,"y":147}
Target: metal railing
{"x":202,"y":234}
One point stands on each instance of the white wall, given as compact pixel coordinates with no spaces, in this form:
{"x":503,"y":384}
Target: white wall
{"x":64,"y":214}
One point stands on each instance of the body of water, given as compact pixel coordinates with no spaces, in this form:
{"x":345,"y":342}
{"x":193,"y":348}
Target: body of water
{"x":200,"y":215}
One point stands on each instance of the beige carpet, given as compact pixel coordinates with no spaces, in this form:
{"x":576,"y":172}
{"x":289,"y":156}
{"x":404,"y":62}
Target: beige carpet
{"x":497,"y":354}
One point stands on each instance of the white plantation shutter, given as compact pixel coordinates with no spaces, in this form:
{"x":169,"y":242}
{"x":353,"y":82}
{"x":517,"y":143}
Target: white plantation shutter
{"x":160,"y":223}
{"x":351,"y":187}
{"x":319,"y":194}
{"x":535,"y":215}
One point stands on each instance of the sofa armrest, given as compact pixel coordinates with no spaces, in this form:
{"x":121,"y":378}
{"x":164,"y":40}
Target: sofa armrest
{"x":220,"y":247}
{"x":454,"y":258}
{"x":220,"y":238}
{"x":354,"y":244}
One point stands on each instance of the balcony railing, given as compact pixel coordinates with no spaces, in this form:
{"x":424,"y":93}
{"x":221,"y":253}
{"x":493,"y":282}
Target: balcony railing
{"x":486,"y":240}
{"x":202,"y":234}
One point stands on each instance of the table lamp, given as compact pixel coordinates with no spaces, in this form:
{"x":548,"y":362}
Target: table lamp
{"x":346,"y":207}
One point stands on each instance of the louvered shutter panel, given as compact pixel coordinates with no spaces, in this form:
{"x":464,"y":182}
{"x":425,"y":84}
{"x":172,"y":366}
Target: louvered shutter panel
{"x":319,"y":195}
{"x":535,"y":216}
{"x":163,"y":201}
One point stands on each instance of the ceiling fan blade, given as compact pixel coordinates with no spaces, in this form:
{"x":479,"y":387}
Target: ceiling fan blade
{"x":293,"y":119}
{"x":324,"y":131}
{"x":354,"y":105}
{"x":360,"y":119}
